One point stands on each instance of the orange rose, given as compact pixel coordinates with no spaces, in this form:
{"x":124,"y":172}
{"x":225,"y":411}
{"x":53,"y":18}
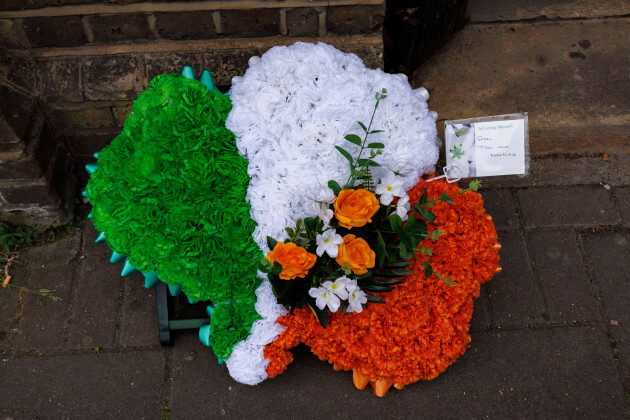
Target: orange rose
{"x":295,"y":260}
{"x":355,"y":208}
{"x":357,"y":253}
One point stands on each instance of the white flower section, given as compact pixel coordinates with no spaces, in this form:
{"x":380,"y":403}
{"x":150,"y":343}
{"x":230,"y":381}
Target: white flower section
{"x":403,"y":207}
{"x":328,"y":242}
{"x":389,"y":187}
{"x":324,"y":297}
{"x":293,"y":107}
{"x":247,"y":363}
{"x":289,"y":111}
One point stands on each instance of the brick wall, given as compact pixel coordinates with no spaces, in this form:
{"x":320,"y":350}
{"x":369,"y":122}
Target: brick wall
{"x":75,"y":66}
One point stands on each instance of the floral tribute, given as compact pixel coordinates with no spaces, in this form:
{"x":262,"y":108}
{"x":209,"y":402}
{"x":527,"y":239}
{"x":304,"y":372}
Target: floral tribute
{"x":301,"y":223}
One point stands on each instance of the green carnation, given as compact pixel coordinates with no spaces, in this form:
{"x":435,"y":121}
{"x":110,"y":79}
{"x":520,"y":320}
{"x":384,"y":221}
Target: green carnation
{"x":169,"y":193}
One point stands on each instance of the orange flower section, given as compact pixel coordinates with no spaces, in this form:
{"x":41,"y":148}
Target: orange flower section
{"x":423,"y":328}
{"x":357,"y":253}
{"x":295,"y":260}
{"x":355,"y":208}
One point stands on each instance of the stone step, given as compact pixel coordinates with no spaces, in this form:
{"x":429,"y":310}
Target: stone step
{"x":573,"y":77}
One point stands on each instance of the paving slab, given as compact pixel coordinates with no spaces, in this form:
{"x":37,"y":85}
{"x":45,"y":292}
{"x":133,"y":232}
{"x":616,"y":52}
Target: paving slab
{"x":44,"y":321}
{"x":573,"y":90}
{"x":490,"y":10}
{"x":200,"y":385}
{"x":9,"y":304}
{"x":99,"y":386}
{"x":589,"y":205}
{"x":97,"y":304}
{"x":515,"y":300}
{"x":565,"y":372}
{"x":562,"y":276}
{"x":607,"y":255}
{"x":88,"y":246}
{"x":622,"y":200}
{"x":500,"y":205}
{"x":551,"y":372}
{"x":561,"y":171}
{"x":139,"y":322}
{"x":481,"y":318}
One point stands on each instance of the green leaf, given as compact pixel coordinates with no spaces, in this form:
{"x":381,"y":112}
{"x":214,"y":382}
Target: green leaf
{"x":320,"y":314}
{"x":474,"y":185}
{"x":428,"y":270}
{"x":398,"y":264}
{"x":310,"y":223}
{"x":277,"y":268}
{"x":449,"y":281}
{"x":377,"y":289}
{"x":461,"y":131}
{"x":446,"y":198}
{"x":423,"y":197}
{"x":353,"y":138}
{"x":427,"y":215}
{"x":426,"y":251}
{"x":346,"y":154}
{"x":367,"y":162}
{"x":290,"y":231}
{"x":333,"y":185}
{"x":375,"y":145}
{"x":271,"y":243}
{"x":376,"y":131}
{"x":362,"y":126}
{"x":392,"y":273}
{"x":374,"y":299}
{"x":396,"y":223}
{"x":264,"y":265}
{"x":385,"y":282}
{"x":435,"y":234}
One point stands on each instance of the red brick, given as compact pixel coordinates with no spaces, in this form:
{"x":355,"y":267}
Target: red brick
{"x":56,"y":31}
{"x":303,"y":22}
{"x":156,"y":64}
{"x":121,"y":27}
{"x":86,"y":117}
{"x":28,"y":194}
{"x":11,"y":36}
{"x":186,"y":25}
{"x":355,"y":20}
{"x":120,"y":113}
{"x":19,"y":169}
{"x":228,"y":63}
{"x":112,"y":77}
{"x":58,"y":80}
{"x":84,"y":145}
{"x":250,"y":23}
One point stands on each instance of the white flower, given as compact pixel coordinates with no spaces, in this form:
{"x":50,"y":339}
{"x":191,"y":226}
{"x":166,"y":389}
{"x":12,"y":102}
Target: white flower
{"x":324,"y":297}
{"x":338,"y":287}
{"x":389,"y":187}
{"x":328,"y":242}
{"x":356,"y":297}
{"x":324,"y":212}
{"x":403,"y":207}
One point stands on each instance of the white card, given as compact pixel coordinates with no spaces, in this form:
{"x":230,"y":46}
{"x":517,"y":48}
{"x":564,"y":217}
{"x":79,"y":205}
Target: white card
{"x":487,"y":146}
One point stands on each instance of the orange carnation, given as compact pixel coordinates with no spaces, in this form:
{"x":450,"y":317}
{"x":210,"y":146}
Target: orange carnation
{"x":295,"y":260}
{"x":355,"y":208}
{"x":357,"y":253}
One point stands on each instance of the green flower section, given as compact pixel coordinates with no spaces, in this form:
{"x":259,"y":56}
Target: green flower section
{"x":229,"y":325}
{"x":169,"y":193}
